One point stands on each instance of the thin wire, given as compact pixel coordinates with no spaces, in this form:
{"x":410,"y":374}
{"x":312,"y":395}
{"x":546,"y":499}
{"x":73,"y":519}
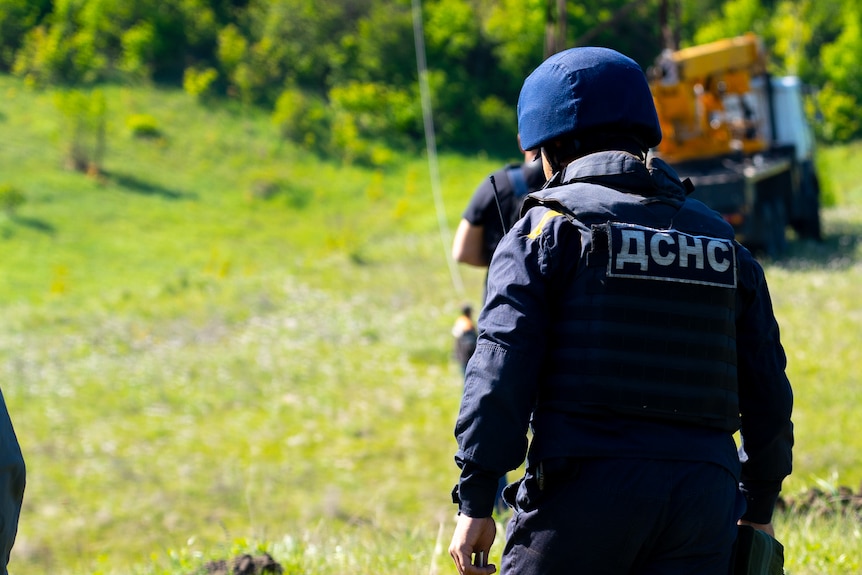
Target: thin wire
{"x":431,"y":146}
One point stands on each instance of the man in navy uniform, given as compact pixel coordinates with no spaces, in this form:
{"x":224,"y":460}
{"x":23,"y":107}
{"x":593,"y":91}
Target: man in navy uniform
{"x":12,"y":480}
{"x":629,"y":332}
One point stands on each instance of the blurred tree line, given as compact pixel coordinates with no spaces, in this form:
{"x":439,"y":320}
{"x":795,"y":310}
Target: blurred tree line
{"x":340,"y":76}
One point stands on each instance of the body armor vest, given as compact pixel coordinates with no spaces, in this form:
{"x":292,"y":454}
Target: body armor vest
{"x":647,"y":326}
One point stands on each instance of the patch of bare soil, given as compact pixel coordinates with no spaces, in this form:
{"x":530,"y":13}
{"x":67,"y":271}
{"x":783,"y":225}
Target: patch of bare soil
{"x":841,"y":501}
{"x":243,"y":565}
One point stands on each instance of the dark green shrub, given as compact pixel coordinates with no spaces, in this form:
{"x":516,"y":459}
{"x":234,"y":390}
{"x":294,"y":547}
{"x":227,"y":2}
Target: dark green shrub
{"x":302,"y":118}
{"x":84,"y":115}
{"x":60,"y":55}
{"x":11,"y":199}
{"x":840,"y":113}
{"x":139,"y":45}
{"x":17,"y":17}
{"x":199,"y":82}
{"x":371,"y":120}
{"x":270,"y":186}
{"x":143,"y":126}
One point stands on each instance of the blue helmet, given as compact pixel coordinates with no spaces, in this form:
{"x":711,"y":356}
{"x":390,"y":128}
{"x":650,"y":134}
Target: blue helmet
{"x":586,"y":89}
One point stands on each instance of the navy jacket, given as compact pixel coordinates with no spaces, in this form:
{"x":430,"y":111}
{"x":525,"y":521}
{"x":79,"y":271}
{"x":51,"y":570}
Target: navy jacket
{"x":506,"y":373}
{"x":12,"y":482}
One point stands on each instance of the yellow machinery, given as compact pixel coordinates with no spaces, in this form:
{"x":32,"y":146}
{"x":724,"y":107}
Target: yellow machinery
{"x":741,"y":137}
{"x":705,"y":100}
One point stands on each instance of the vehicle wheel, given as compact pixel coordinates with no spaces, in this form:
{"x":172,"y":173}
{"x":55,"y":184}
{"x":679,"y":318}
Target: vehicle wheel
{"x":810,"y":228}
{"x":779,"y":228}
{"x":772,"y":221}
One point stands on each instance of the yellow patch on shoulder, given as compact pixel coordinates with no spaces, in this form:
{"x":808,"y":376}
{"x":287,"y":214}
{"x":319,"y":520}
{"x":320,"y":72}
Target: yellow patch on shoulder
{"x":537,"y":231}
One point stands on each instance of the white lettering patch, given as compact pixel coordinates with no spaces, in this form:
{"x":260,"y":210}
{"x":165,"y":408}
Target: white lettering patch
{"x":670,"y":255}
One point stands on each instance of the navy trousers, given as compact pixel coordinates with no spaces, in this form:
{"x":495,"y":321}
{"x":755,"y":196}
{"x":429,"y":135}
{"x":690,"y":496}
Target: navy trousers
{"x":622,"y":517}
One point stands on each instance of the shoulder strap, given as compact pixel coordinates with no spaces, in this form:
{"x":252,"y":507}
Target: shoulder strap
{"x":519,"y":183}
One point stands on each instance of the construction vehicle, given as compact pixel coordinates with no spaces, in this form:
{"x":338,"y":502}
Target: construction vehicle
{"x":741,"y":136}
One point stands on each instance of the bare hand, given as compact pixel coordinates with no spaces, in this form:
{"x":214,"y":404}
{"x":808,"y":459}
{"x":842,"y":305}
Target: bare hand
{"x":765,"y":527}
{"x":473,"y":535}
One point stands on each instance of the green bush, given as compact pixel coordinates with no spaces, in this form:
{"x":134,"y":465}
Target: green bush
{"x":353,"y":147}
{"x":143,"y":126}
{"x":10,"y":198}
{"x":379,"y":111}
{"x":84,"y":116}
{"x":371,"y":120}
{"x":57,"y":55}
{"x":268,"y":185}
{"x":139,"y":46}
{"x":302,"y":118}
{"x":198,"y":82}
{"x":500,"y":120}
{"x":16,"y":18}
{"x":364,"y":123}
{"x":251,"y":73}
{"x":232,"y":48}
{"x":840,"y":116}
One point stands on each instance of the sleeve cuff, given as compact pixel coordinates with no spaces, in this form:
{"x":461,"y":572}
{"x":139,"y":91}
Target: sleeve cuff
{"x":760,"y":497}
{"x":475,"y":494}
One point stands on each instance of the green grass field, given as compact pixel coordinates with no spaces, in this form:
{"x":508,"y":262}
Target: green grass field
{"x":225,"y":344}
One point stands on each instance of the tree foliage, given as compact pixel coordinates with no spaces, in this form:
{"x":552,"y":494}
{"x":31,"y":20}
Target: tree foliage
{"x":348,"y":67}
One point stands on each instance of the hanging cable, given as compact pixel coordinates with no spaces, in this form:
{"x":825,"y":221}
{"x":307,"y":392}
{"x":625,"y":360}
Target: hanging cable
{"x":431,"y":145}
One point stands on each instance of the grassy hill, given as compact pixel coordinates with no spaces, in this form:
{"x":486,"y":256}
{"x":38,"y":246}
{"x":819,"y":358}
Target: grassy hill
{"x":225,"y":344}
